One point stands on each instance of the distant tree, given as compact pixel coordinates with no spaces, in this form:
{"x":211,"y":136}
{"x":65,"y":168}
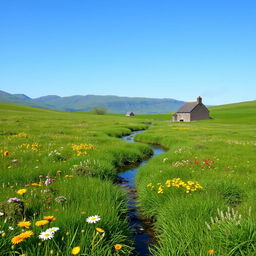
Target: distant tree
{"x":99,"y":110}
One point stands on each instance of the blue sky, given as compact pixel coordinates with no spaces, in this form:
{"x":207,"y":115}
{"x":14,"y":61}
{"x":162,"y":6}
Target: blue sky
{"x":164,"y":49}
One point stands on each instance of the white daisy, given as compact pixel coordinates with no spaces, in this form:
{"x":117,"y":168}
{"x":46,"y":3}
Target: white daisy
{"x":46,"y":235}
{"x":52,"y":230}
{"x":93,"y":219}
{"x":1,"y":214}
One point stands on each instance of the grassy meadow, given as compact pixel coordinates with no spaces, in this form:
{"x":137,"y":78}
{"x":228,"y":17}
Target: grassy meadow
{"x":201,"y":192}
{"x":57,"y":170}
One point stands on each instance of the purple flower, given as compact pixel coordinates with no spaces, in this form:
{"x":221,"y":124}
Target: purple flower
{"x":14,"y":199}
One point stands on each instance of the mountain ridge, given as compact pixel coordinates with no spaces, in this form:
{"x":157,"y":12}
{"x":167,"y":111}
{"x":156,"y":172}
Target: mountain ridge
{"x":81,"y":103}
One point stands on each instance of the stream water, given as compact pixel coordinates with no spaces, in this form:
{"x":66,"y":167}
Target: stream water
{"x":142,"y":229}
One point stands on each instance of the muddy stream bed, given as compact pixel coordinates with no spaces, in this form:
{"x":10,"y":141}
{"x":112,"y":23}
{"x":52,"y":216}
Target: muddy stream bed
{"x":141,"y":227}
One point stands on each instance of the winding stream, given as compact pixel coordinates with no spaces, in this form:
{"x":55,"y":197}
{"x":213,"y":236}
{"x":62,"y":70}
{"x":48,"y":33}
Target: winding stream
{"x":142,"y":229}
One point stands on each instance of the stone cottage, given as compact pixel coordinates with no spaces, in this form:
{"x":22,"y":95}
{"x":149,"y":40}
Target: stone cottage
{"x":192,"y":111}
{"x":130,"y":114}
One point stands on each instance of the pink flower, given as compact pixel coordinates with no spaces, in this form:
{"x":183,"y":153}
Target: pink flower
{"x":48,"y":181}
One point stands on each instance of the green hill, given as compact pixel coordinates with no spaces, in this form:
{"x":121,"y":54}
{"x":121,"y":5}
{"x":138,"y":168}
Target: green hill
{"x":243,"y":112}
{"x":79,"y":103}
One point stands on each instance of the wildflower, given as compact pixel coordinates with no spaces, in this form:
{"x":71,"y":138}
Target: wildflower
{"x":100,"y":230}
{"x":118,"y":247}
{"x":46,"y":235}
{"x":211,"y":252}
{"x":60,"y":199}
{"x":36,"y":185}
{"x":24,"y":224}
{"x":10,"y":228}
{"x":93,"y":219}
{"x":76,"y":250}
{"x":1,"y":232}
{"x":14,"y":160}
{"x":21,"y":191}
{"x":21,"y":237}
{"x":58,"y":171}
{"x":48,"y":181}
{"x":52,"y":230}
{"x":1,"y":214}
{"x":49,"y":218}
{"x":41,"y":223}
{"x":13,"y":200}
{"x":6,"y":153}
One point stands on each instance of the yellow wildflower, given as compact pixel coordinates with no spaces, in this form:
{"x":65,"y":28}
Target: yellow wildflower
{"x":21,"y":237}
{"x":21,"y":191}
{"x":211,"y":252}
{"x":76,"y":250}
{"x":100,"y":230}
{"x":118,"y":247}
{"x":41,"y":223}
{"x":24,"y":224}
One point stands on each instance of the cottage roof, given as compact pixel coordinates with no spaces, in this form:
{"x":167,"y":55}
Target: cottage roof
{"x":187,"y":107}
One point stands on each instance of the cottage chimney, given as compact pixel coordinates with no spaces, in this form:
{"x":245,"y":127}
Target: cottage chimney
{"x":199,"y":100}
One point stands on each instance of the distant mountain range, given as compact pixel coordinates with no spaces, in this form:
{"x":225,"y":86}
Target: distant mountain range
{"x":79,"y":103}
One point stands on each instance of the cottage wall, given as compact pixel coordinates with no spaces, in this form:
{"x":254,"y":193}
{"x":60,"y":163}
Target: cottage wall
{"x":200,"y":112}
{"x":183,"y":116}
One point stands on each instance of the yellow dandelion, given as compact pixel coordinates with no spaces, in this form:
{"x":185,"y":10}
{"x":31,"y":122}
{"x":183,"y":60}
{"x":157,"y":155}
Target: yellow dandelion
{"x":211,"y":252}
{"x":41,"y":223}
{"x":24,"y":224}
{"x":76,"y":250}
{"x":21,"y":191}
{"x":100,"y":230}
{"x":21,"y":237}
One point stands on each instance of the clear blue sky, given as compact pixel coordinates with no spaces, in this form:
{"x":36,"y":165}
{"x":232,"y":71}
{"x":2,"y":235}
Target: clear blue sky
{"x":150,"y":48}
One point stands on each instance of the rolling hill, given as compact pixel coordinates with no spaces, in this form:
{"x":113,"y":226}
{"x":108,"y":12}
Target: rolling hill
{"x":79,"y":103}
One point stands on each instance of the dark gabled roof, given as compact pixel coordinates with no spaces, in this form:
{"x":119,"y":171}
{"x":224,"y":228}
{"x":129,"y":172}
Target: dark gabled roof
{"x":187,"y":107}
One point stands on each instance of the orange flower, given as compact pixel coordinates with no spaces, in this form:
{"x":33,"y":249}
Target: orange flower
{"x":21,"y":237}
{"x":36,"y":184}
{"x":118,"y":247}
{"x":24,"y":224}
{"x":50,"y":218}
{"x":6,"y":153}
{"x":41,"y":223}
{"x":100,"y":230}
{"x":211,"y":252}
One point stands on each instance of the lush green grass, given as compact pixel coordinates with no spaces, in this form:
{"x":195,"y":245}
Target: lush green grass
{"x":219,"y":154}
{"x":40,"y":144}
{"x":82,"y":153}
